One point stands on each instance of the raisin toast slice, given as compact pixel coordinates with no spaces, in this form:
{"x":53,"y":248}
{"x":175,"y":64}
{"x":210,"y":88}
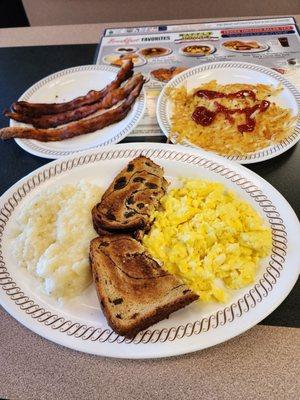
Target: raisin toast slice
{"x":127,"y":204}
{"x":134,"y":291}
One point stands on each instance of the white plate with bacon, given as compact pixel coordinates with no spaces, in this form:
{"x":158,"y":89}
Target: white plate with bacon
{"x":77,"y":109}
{"x":244,"y":112}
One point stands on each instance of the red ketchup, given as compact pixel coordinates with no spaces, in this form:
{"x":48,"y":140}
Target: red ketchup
{"x":203,"y":116}
{"x":212,"y":94}
{"x":264,"y":105}
{"x":248,"y":111}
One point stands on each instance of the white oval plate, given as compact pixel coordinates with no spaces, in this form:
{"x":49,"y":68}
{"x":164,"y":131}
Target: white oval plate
{"x":65,"y":85}
{"x":234,"y":72}
{"x":262,"y":47}
{"x":80,"y":324}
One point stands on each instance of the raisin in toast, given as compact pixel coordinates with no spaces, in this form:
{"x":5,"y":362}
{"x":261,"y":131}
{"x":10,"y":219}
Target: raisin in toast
{"x":134,"y":291}
{"x":134,"y":193}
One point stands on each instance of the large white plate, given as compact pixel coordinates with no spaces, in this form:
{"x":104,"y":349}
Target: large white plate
{"x":80,"y":324}
{"x":235,"y":72}
{"x":65,"y":85}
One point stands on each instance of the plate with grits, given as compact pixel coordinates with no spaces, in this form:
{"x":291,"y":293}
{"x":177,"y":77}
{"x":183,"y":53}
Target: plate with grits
{"x":227,"y":234}
{"x":244,"y":112}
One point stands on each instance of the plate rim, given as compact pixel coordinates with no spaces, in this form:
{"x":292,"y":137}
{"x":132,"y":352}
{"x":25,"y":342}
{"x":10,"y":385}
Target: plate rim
{"x":127,"y":149}
{"x":254,"y":157}
{"x":33,"y":148}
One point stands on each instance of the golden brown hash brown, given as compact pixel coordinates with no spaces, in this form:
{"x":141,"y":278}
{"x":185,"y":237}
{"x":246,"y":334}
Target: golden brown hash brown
{"x":223,"y":137}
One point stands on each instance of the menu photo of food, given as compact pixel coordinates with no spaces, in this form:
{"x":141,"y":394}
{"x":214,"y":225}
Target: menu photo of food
{"x":126,"y":49}
{"x":243,"y":46}
{"x":117,"y":59}
{"x":151,"y":52}
{"x":197,"y":50}
{"x":166,"y":74}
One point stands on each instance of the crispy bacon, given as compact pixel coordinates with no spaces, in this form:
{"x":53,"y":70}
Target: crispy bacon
{"x":51,"y":121}
{"x":37,"y":109}
{"x":77,"y":128}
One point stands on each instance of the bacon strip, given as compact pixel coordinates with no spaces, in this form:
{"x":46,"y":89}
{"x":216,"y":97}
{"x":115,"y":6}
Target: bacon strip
{"x":75,"y":128}
{"x":37,"y":109}
{"x":51,"y":121}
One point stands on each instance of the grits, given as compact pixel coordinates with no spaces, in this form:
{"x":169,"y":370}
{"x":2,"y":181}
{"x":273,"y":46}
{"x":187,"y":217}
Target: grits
{"x":53,"y":237}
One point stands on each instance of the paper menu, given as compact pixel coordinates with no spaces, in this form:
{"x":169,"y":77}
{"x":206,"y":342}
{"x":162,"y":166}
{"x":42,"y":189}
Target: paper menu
{"x":272,"y":42}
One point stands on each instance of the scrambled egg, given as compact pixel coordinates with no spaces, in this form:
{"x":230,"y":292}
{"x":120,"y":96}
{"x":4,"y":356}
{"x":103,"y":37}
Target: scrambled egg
{"x":208,"y":237}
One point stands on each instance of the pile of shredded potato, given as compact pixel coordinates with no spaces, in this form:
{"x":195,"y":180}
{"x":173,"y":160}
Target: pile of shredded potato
{"x":272,"y":126}
{"x":208,"y":237}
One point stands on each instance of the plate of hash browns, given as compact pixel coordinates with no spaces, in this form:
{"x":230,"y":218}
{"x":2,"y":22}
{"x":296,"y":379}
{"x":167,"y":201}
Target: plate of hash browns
{"x":245,"y":112}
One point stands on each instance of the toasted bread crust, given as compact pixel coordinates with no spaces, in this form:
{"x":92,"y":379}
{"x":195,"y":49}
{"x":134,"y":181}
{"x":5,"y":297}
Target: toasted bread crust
{"x":158,"y":314}
{"x":127,"y":279}
{"x":127,"y":203}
